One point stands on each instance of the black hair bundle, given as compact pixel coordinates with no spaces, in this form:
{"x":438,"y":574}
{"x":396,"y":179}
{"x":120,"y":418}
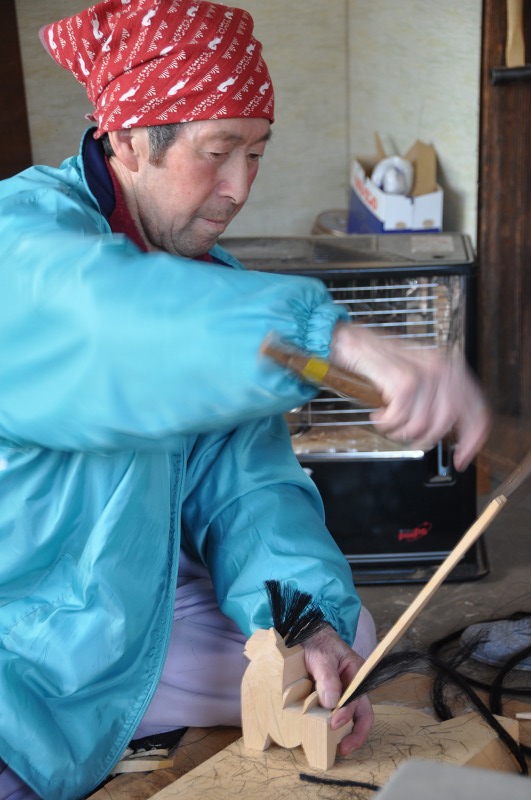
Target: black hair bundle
{"x":372,"y":787}
{"x":497,"y":688}
{"x":295,"y":615}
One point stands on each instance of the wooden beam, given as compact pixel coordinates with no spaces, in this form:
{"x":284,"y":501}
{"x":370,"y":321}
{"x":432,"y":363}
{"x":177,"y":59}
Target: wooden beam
{"x":15,"y":146}
{"x":504,"y":245}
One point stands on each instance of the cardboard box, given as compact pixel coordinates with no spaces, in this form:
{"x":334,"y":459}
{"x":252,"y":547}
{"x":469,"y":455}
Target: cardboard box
{"x":373,"y":211}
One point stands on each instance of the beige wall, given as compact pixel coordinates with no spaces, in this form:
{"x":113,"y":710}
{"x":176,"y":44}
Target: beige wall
{"x":342,"y":70}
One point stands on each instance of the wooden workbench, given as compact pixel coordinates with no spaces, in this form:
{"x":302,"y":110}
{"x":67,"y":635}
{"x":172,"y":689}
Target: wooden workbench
{"x":212,"y":762}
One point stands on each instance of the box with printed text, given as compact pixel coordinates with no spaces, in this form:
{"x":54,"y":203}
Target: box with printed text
{"x":371,"y":210}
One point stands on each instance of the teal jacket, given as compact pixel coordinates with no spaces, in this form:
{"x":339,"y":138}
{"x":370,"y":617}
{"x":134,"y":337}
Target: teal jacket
{"x":136,"y":417}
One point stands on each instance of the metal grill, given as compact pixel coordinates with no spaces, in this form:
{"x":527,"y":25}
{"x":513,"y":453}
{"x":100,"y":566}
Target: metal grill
{"x":410,"y":287}
{"x":422,"y":312}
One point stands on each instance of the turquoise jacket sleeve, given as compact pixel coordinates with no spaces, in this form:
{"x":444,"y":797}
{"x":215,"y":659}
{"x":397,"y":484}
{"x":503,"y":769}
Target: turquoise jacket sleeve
{"x":267,"y":524}
{"x":127,"y":350}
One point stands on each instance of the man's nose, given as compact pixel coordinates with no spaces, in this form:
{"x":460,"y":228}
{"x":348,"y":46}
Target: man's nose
{"x":236,"y":181}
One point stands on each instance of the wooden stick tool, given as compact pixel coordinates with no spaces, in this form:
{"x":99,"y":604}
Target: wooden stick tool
{"x":322,"y":373}
{"x":515,"y":479}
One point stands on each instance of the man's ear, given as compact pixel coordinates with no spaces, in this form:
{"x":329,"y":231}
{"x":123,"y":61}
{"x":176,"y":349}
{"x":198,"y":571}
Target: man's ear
{"x":130,"y":147}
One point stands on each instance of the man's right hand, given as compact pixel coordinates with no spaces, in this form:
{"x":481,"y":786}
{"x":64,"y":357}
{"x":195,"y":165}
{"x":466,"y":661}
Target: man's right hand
{"x":427,"y":394}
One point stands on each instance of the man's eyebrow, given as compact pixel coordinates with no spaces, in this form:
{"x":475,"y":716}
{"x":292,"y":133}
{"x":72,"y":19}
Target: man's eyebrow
{"x":266,"y":137}
{"x":226,"y":136}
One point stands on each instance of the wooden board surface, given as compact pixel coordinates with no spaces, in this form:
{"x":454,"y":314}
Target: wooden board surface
{"x":196,"y":746}
{"x":398,"y":734}
{"x":201,"y":744}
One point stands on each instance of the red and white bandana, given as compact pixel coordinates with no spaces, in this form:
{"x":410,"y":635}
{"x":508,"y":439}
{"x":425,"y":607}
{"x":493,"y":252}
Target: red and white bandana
{"x":152,"y":62}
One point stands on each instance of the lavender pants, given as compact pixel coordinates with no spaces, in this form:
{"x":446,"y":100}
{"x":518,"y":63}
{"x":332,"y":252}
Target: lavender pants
{"x":200,"y":683}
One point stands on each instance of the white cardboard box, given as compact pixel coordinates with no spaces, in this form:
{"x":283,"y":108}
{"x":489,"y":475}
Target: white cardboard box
{"x":373,"y":211}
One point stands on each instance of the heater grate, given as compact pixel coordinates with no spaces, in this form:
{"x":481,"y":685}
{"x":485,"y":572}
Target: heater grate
{"x":423,"y":312}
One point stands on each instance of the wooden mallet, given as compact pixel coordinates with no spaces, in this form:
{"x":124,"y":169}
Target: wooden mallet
{"x":322,"y":373}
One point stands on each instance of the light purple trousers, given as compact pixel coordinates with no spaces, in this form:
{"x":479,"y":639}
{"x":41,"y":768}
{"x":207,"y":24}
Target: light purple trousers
{"x":200,"y":683}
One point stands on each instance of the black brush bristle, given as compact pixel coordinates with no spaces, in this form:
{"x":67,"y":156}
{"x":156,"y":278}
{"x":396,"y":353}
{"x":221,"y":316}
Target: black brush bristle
{"x":295,"y":616}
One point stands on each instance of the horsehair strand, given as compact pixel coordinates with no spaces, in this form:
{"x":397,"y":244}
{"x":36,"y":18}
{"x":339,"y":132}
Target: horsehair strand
{"x":396,"y":664}
{"x":295,"y":615}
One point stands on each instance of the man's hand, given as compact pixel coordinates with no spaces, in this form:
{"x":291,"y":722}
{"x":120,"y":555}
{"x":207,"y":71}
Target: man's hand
{"x":332,"y":665}
{"x":426,"y":394}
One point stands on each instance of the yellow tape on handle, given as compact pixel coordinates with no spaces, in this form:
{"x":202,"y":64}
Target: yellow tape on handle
{"x":315,"y":370}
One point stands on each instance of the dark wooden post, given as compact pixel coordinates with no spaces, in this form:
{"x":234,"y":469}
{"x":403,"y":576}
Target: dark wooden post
{"x":504,"y":242}
{"x":15,"y":147}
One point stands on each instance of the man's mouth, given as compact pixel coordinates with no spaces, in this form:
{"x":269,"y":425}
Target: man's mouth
{"x":220,"y":224}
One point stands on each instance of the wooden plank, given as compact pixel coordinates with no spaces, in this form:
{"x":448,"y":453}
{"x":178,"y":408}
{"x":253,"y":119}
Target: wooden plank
{"x":398,"y":734}
{"x":196,"y":746}
{"x":200,"y":744}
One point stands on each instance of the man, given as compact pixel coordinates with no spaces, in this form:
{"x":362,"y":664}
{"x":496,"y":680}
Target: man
{"x":142,"y":441}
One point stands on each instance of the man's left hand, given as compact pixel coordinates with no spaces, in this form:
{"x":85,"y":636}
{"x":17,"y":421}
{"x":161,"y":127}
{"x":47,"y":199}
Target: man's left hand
{"x":332,"y":665}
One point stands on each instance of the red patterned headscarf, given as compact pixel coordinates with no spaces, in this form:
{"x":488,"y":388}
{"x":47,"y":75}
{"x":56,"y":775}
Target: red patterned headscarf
{"x":152,"y":62}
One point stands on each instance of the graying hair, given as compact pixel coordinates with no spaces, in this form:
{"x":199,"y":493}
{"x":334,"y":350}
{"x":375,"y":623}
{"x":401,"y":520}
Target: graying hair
{"x":161,"y":138}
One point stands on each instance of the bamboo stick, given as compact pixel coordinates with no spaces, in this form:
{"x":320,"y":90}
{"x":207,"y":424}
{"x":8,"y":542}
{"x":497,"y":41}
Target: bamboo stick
{"x":515,"y":479}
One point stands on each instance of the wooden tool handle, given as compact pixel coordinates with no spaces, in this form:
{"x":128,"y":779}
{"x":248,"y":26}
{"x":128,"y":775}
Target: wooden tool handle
{"x":515,"y":43}
{"x":321,"y":373}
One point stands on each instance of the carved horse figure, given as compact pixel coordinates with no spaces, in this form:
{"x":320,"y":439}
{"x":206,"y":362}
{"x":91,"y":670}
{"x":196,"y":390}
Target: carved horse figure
{"x":279,"y":703}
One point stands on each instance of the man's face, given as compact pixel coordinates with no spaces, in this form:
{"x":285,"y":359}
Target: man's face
{"x":184,"y":204}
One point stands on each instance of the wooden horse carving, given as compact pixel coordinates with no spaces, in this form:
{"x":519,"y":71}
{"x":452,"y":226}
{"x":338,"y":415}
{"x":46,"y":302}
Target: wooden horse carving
{"x":279,"y":703}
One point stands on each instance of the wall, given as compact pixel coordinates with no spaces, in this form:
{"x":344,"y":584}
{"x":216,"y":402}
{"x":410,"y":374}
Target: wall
{"x":342,"y":70}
